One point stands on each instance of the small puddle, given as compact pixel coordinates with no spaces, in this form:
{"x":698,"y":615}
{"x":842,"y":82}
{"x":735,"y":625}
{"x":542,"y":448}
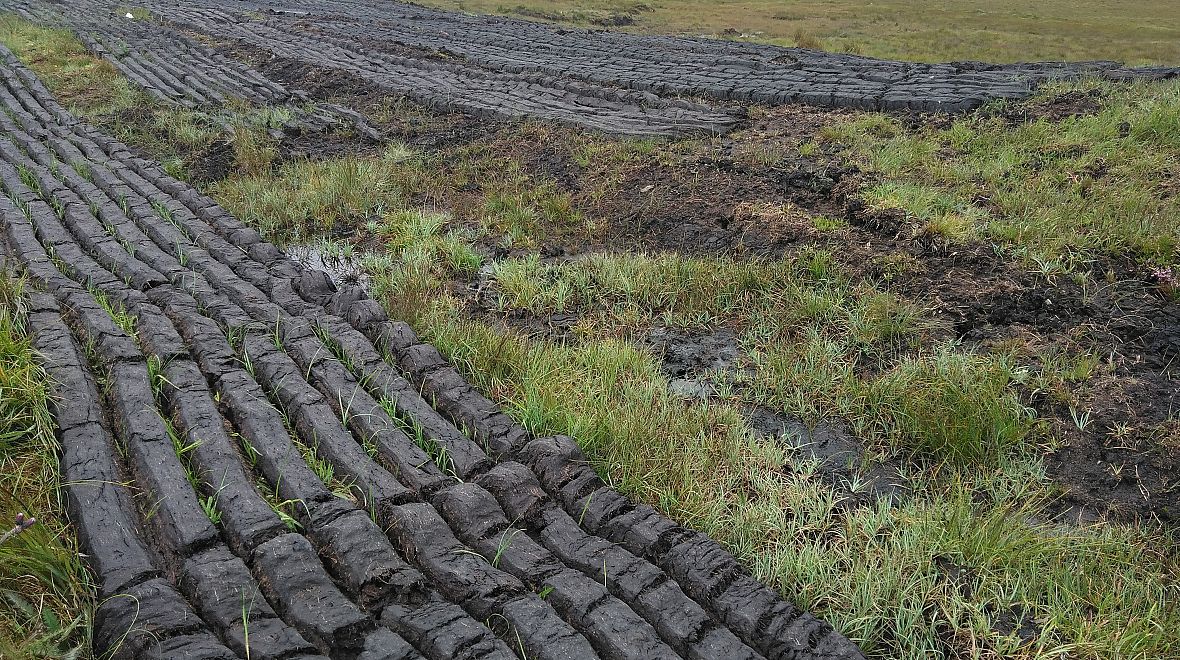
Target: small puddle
{"x":691,"y":361}
{"x":839,"y":454}
{"x":343,"y":267}
{"x":694,"y":363}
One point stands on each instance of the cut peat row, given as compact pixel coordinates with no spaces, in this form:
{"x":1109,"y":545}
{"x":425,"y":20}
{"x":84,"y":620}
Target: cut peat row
{"x":176,"y":70}
{"x":668,"y":66}
{"x":612,"y":81}
{"x":448,"y":86}
{"x":215,"y":581}
{"x":292,"y":457}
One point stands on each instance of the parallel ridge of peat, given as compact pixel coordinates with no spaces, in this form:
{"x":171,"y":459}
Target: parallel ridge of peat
{"x":209,"y":382}
{"x":458,"y":86}
{"x":668,"y":66}
{"x":178,"y":71}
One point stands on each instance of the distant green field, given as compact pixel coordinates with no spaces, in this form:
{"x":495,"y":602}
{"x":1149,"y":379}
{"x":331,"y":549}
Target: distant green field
{"x":1134,"y":31}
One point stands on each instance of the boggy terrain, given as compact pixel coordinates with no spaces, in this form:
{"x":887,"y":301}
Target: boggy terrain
{"x":915,"y":372}
{"x":157,"y":293}
{"x":753,"y":194}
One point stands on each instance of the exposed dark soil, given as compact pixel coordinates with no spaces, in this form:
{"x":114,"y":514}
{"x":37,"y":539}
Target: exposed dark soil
{"x":1074,"y":103}
{"x":691,"y":361}
{"x":213,"y":164}
{"x":1018,"y":621}
{"x":685,"y":354}
{"x":708,"y":202}
{"x":838,"y":454}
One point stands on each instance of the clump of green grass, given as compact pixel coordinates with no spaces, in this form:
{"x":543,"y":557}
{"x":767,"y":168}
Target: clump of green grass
{"x":421,"y":260}
{"x":512,"y":215}
{"x":178,"y":137}
{"x":190,"y":128}
{"x":254,"y":151}
{"x":828,"y":223}
{"x":302,"y":198}
{"x":306,"y":197}
{"x":521,"y":212}
{"x":683,"y":290}
{"x":255,"y":147}
{"x":118,"y":313}
{"x":953,"y":405}
{"x":24,"y":387}
{"x":805,"y":39}
{"x":1056,"y":193}
{"x":46,"y":599}
{"x":937,"y":213}
{"x":771,"y":300}
{"x":422,"y":230}
{"x":947,"y":405}
{"x":614,"y":15}
{"x":762,"y":154}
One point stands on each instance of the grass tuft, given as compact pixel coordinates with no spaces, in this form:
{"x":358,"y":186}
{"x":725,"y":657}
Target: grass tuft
{"x":306,"y":197}
{"x":954,"y":405}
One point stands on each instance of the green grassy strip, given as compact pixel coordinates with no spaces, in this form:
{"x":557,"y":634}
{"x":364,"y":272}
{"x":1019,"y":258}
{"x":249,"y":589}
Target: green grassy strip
{"x":1054,"y":193}
{"x":88,"y":86}
{"x":819,"y":345}
{"x":307,"y":197}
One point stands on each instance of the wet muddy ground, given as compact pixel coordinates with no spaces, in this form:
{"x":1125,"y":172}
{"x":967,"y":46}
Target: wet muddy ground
{"x":752,"y":193}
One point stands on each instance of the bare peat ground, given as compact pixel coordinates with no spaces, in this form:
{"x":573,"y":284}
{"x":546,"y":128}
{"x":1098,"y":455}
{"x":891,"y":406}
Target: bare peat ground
{"x":287,"y":437}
